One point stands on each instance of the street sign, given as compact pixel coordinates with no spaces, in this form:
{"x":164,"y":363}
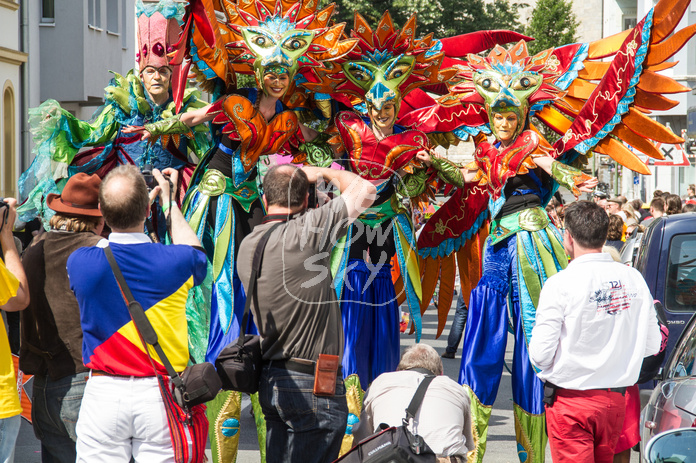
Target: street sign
{"x":675,"y":155}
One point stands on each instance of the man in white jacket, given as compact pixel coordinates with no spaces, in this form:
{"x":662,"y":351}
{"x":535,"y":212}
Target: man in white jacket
{"x":594,"y":325}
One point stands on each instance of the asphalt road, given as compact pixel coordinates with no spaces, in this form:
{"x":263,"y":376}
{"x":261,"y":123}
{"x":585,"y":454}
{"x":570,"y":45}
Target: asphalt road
{"x":501,"y":435}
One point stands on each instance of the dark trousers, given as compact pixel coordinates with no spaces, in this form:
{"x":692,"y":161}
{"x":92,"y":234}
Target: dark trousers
{"x":55,"y":408}
{"x":457,"y":329}
{"x":301,"y":427}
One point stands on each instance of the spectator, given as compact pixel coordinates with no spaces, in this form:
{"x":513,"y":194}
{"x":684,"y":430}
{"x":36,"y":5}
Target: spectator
{"x":599,"y":195}
{"x":123,"y":415}
{"x":594,"y":325}
{"x":689,"y":207}
{"x":444,"y":418}
{"x":658,"y":194}
{"x":615,"y":233}
{"x":51,"y":347}
{"x":457,"y":328}
{"x":14,"y":296}
{"x":614,"y":206}
{"x":297,"y":312}
{"x":673,"y":205}
{"x":657,"y":210}
{"x":691,"y":192}
{"x":641,"y":212}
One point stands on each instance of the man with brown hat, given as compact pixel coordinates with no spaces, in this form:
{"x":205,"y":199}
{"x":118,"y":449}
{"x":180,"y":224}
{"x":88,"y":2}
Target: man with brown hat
{"x":51,"y":346}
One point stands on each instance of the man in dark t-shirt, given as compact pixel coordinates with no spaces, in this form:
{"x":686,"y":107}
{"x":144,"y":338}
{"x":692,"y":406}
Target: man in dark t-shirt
{"x":298,"y":315}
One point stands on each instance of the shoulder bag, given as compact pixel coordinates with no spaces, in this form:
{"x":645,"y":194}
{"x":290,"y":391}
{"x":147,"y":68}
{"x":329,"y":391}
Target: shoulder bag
{"x":239,"y":364}
{"x":395,"y":444}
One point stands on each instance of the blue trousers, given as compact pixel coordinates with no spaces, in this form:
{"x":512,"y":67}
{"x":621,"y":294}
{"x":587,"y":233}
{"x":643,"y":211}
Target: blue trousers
{"x":55,"y":408}
{"x":300,"y":426}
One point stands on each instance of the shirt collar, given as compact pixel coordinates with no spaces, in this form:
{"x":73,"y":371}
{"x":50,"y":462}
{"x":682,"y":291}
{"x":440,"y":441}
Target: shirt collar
{"x":129,"y":238}
{"x":593,"y":257}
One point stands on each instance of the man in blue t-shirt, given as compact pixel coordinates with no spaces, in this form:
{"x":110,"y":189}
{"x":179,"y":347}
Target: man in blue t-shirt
{"x":122,"y":414}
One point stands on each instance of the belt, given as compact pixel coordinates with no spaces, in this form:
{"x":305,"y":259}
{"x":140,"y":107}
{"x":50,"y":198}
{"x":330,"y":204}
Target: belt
{"x":620,"y":390}
{"x":114,"y":375}
{"x":299,"y":366}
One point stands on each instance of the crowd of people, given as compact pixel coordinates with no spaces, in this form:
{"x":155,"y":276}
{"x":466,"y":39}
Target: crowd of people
{"x":197,"y":204}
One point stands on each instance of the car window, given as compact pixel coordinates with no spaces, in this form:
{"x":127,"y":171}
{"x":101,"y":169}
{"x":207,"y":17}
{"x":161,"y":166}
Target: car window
{"x":682,"y":362}
{"x":680,"y":287}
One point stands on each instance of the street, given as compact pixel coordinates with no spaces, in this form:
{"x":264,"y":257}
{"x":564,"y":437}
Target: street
{"x":501,"y":435}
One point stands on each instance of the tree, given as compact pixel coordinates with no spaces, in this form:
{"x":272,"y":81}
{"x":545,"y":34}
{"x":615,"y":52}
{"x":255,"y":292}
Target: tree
{"x":553,"y":24}
{"x":444,"y":18}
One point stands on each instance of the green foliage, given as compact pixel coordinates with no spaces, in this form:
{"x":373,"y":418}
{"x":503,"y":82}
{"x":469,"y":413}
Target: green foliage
{"x":444,"y":18}
{"x":552,"y":24}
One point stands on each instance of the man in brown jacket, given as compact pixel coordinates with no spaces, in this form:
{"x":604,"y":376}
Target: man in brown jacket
{"x":51,"y":347}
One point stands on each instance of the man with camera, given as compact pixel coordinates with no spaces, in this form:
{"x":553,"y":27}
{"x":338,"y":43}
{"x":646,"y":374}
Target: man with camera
{"x":594,"y":325}
{"x":297,"y":313}
{"x":122,"y":414}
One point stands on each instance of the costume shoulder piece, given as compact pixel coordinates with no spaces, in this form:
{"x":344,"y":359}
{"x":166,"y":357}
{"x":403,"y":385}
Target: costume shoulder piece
{"x":377,"y":159}
{"x":243,"y":122}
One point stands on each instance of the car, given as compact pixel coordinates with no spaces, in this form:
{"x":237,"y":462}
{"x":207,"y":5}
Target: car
{"x":673,"y":401}
{"x":667,"y":260}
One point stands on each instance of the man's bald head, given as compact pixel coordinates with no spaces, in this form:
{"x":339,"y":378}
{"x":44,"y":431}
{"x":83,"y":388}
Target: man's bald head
{"x":123,"y":198}
{"x":286,"y":186}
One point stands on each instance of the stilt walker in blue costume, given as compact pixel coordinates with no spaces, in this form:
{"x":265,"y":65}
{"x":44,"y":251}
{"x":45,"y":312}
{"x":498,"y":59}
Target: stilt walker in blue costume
{"x":591,"y":104}
{"x":66,"y":145}
{"x":271,"y":40}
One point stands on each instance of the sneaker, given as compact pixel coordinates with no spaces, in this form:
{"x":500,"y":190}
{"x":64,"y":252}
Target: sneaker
{"x":447,"y":355}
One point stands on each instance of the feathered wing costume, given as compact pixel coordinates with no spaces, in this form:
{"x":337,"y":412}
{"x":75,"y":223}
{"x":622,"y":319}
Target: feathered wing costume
{"x":594,"y":106}
{"x":220,"y":40}
{"x":65,"y":145}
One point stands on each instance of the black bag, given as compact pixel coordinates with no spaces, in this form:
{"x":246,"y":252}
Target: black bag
{"x":198,"y":383}
{"x":239,"y":364}
{"x":395,"y":444}
{"x":651,"y":365}
{"x":201,"y":384}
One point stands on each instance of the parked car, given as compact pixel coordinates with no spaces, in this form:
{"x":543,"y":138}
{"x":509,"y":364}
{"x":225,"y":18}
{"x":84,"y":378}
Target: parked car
{"x":667,"y":260}
{"x":673,"y":401}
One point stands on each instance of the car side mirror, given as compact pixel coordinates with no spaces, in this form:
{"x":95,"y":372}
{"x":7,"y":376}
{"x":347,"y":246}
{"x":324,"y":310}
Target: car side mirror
{"x":674,"y":446}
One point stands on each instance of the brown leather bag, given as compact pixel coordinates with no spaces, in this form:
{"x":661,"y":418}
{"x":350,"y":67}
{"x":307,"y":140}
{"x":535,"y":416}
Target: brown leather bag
{"x":325,"y":375}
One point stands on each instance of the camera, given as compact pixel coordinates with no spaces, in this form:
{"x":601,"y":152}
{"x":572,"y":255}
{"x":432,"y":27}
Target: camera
{"x":150,"y":181}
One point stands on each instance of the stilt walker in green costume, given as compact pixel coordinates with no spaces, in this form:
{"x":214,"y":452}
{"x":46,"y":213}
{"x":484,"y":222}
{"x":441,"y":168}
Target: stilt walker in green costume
{"x":271,"y":40}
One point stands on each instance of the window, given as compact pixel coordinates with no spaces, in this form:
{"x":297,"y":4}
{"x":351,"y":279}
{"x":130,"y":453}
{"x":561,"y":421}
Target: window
{"x":630,"y":22}
{"x":8,"y":142}
{"x":94,"y":13}
{"x":112,"y":10}
{"x":680,"y":284}
{"x":682,"y":363}
{"x":48,"y":12}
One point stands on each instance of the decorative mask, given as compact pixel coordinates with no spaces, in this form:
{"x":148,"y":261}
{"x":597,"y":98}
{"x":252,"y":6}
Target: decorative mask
{"x":508,"y":81}
{"x":385,"y":66}
{"x":277,"y":46}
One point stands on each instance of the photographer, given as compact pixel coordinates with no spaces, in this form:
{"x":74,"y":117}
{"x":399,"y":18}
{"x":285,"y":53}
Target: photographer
{"x":14,"y":296}
{"x":122,"y":414}
{"x":296,"y":310}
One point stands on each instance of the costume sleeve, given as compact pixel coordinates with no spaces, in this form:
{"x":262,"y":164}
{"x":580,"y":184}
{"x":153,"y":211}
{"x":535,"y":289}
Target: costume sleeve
{"x":448,"y":171}
{"x":547,"y":329}
{"x":568,"y":177}
{"x":414,"y":184}
{"x":58,"y":136}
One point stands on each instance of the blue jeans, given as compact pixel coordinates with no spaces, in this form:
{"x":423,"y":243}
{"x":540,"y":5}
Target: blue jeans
{"x":9,"y":429}
{"x":301,"y":427}
{"x":56,"y":405}
{"x":455,"y":334}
